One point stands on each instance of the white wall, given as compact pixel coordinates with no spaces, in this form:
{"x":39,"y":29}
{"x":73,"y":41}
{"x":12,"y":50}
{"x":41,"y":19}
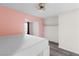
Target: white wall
{"x":51,"y":28}
{"x":69,"y":31}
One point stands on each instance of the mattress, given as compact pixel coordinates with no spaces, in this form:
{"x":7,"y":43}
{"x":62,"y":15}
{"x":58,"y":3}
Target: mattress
{"x":30,"y":40}
{"x":13,"y":45}
{"x":32,"y":46}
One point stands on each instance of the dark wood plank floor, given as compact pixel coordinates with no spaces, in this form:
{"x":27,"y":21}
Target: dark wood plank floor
{"x":55,"y":51}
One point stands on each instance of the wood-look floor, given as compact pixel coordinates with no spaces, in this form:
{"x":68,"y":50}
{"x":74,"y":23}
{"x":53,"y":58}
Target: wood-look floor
{"x":55,"y":51}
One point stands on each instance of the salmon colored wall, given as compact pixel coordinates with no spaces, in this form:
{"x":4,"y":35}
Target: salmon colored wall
{"x":41,"y":28}
{"x":12,"y":21}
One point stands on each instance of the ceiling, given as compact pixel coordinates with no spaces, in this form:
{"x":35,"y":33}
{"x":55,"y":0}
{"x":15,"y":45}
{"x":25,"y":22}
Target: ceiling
{"x":52,"y":9}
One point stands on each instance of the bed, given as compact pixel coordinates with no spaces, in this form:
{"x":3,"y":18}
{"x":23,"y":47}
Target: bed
{"x":20,"y":45}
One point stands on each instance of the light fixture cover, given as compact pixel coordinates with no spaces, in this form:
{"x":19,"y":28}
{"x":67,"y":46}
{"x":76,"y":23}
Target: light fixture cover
{"x":41,"y":6}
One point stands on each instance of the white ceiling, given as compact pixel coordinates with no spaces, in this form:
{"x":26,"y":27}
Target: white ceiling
{"x":52,"y":9}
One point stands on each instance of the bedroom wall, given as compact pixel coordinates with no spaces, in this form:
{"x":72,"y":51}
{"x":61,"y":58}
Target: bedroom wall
{"x":51,"y":28}
{"x":12,"y":21}
{"x":69,"y":31}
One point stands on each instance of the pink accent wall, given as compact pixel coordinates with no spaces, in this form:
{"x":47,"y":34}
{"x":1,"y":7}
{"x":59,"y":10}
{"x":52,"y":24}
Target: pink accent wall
{"x":41,"y":28}
{"x":12,"y":21}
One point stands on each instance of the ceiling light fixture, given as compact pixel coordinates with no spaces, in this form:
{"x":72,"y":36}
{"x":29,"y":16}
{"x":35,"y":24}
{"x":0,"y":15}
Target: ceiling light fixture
{"x":41,"y":6}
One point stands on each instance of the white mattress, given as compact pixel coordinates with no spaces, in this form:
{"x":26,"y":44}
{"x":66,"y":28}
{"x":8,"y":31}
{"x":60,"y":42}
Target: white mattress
{"x":17,"y":45}
{"x":32,"y":46}
{"x":32,"y":40}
